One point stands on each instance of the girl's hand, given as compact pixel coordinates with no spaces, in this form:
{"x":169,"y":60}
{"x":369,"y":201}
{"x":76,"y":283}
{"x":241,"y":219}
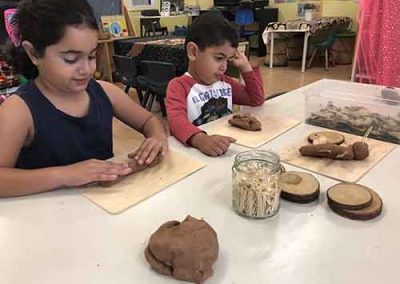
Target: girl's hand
{"x":92,"y":170}
{"x":241,"y":62}
{"x":150,"y":148}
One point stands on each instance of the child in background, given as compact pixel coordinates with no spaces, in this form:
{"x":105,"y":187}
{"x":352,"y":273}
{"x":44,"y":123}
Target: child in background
{"x":56,"y":131}
{"x":204,"y":93}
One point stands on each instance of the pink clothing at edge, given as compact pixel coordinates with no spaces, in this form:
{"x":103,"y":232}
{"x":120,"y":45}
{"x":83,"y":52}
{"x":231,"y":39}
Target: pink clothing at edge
{"x":185,"y":97}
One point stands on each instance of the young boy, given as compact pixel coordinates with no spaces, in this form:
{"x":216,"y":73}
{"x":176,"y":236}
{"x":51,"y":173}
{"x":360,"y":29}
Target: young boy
{"x":204,"y":93}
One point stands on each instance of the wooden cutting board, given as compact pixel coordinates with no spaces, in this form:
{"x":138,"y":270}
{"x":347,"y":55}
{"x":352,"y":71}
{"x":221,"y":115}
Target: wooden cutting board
{"x":347,"y":171}
{"x":272,"y":126}
{"x":141,"y":185}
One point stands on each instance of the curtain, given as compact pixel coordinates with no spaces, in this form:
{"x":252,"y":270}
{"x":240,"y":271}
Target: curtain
{"x":378,"y":44}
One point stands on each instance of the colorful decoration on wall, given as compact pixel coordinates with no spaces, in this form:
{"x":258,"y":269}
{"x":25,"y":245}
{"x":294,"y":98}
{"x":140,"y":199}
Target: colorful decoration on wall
{"x":115,"y":25}
{"x":316,"y":8}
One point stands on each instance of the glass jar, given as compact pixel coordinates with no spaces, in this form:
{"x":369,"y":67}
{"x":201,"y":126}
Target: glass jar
{"x":255,"y":183}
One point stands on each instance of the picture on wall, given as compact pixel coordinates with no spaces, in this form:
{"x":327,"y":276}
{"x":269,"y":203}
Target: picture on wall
{"x":115,"y":25}
{"x":317,"y":9}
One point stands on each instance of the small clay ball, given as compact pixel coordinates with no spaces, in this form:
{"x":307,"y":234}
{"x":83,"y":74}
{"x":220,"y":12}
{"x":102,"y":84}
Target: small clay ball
{"x":360,"y":150}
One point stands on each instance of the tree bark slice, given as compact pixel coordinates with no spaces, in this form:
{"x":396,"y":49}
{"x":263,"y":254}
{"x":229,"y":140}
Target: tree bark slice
{"x":368,"y":213}
{"x":349,"y":196}
{"x":299,"y":187}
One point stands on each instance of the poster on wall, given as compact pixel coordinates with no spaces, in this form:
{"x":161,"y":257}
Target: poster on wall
{"x":115,"y":25}
{"x":316,"y":7}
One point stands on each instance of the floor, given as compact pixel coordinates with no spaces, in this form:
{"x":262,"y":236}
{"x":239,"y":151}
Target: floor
{"x":276,"y":80}
{"x":285,"y":79}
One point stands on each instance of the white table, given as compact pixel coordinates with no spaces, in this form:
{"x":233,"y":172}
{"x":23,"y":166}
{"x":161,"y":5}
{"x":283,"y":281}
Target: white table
{"x":305,"y":45}
{"x":301,"y":26}
{"x":61,"y":237}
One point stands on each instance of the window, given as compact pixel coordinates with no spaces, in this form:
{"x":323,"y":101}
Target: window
{"x":139,"y":4}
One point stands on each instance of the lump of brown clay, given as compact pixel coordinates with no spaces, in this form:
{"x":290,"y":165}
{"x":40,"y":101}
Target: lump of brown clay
{"x":245,"y":121}
{"x":135,"y":167}
{"x":328,"y":150}
{"x":360,"y":150}
{"x":184,"y":250}
{"x":357,"y":151}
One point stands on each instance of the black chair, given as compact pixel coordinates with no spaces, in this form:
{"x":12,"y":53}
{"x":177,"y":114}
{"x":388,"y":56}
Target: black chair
{"x":152,"y":25}
{"x":322,"y":42}
{"x":153,"y":80}
{"x":126,"y":72}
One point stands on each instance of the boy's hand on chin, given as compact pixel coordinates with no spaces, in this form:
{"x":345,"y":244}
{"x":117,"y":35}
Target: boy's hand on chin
{"x":211,"y":145}
{"x":241,"y":62}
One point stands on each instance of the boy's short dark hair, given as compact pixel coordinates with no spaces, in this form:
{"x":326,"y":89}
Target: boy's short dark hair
{"x":212,"y":29}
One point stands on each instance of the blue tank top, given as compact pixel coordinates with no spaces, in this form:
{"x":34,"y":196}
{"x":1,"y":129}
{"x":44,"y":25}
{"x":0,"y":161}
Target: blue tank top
{"x":61,"y":139}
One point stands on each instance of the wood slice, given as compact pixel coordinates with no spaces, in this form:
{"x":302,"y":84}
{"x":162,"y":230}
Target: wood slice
{"x":368,"y":213}
{"x":299,"y":187}
{"x":323,"y":137}
{"x":349,"y":196}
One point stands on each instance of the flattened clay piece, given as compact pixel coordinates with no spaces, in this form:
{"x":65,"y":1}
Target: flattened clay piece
{"x":367,"y":213}
{"x":323,"y":137}
{"x":305,"y":191}
{"x":184,"y":250}
{"x":135,"y":168}
{"x":360,"y":150}
{"x":349,"y":196}
{"x":245,"y":121}
{"x":331,"y":151}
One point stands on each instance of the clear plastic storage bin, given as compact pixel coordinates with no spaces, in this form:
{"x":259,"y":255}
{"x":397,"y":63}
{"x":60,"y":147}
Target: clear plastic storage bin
{"x":353,"y":108}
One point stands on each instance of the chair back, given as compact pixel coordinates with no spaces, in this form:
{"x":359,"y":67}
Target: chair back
{"x":158,"y":72}
{"x":325,"y":37}
{"x":154,"y":81}
{"x":126,"y":66}
{"x":244,"y":17}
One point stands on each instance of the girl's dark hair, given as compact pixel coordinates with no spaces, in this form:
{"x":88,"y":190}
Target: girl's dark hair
{"x":212,"y":29}
{"x":43,"y":23}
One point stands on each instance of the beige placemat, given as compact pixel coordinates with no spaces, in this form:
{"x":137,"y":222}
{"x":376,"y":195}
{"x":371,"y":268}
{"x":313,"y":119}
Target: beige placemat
{"x":272,"y":126}
{"x":139,"y":186}
{"x":347,"y":171}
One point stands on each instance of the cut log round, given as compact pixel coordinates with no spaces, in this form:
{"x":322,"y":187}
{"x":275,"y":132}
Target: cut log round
{"x":368,"y":213}
{"x":349,"y":196}
{"x":299,"y":187}
{"x":323,"y":137}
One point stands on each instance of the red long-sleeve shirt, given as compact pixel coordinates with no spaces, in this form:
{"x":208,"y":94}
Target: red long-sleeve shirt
{"x":190,"y":103}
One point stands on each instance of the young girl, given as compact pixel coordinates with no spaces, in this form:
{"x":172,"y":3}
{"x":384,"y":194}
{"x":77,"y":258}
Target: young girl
{"x":57,"y":130}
